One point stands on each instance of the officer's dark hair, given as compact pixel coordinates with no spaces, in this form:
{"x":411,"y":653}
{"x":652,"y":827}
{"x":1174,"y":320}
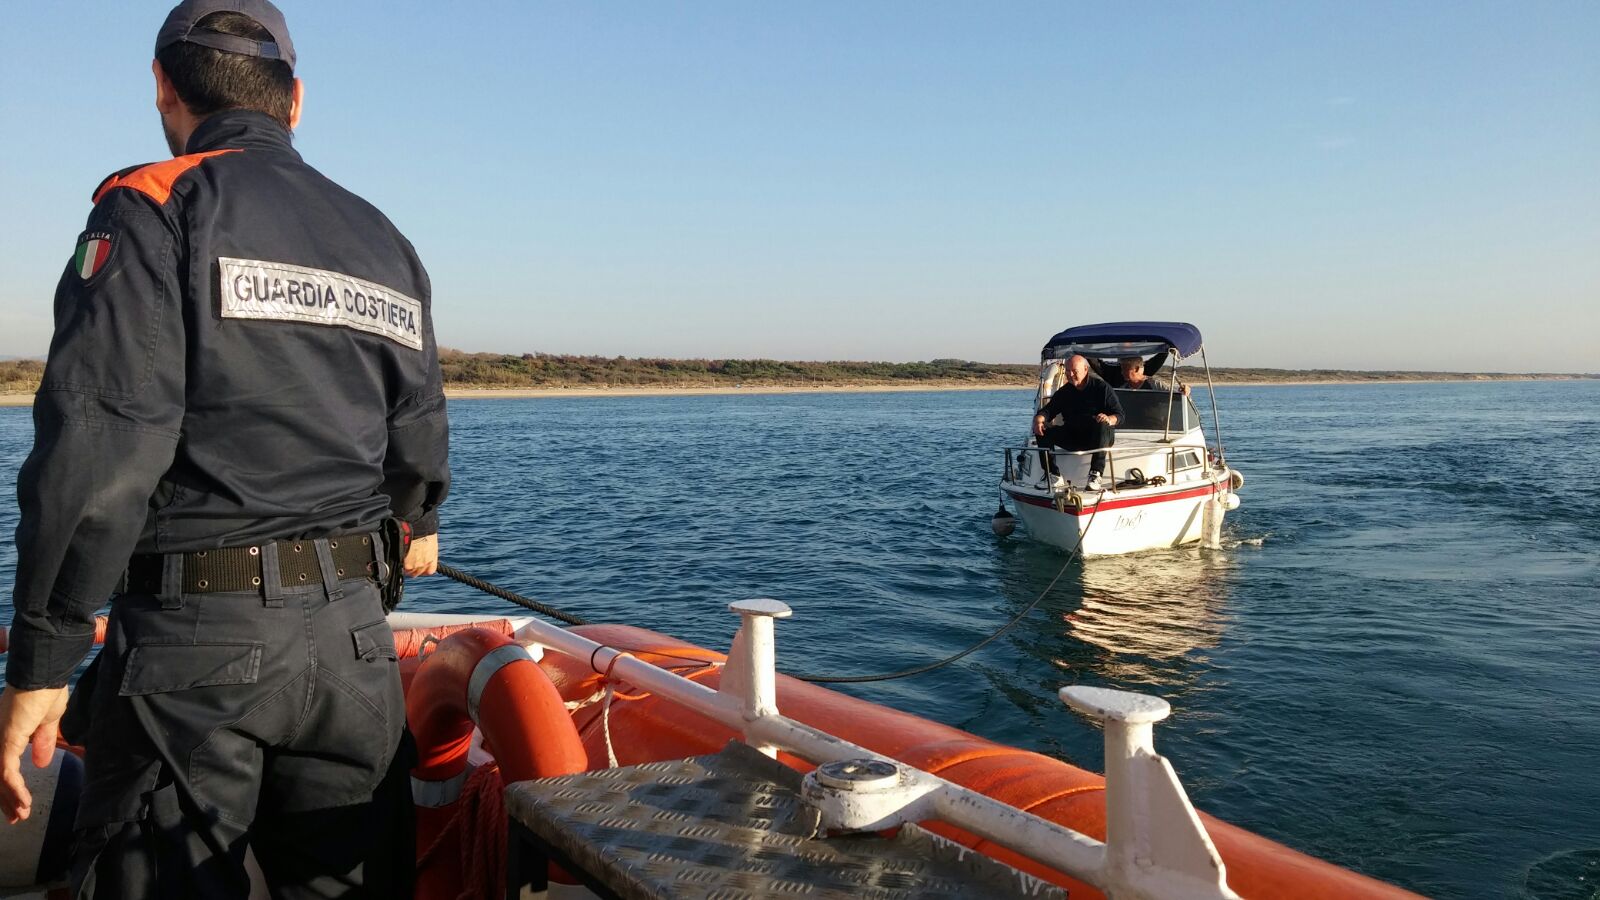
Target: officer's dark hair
{"x":209,"y":81}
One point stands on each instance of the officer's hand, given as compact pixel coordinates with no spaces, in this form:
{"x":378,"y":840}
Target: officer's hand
{"x":26,"y":717}
{"x":423,"y":557}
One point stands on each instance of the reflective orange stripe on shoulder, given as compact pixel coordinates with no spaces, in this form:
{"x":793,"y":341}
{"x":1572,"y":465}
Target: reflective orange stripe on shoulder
{"x":156,"y":180}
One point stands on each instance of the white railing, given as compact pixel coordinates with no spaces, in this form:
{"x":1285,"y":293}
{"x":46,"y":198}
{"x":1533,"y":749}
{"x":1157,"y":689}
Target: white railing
{"x":1020,"y":460}
{"x":1155,"y":849}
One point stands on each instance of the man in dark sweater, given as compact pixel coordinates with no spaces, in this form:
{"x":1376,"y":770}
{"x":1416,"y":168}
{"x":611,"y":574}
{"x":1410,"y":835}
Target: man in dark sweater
{"x":1089,"y":414}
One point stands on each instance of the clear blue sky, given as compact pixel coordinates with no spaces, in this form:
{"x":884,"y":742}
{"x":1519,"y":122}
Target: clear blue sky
{"x":1374,"y":185}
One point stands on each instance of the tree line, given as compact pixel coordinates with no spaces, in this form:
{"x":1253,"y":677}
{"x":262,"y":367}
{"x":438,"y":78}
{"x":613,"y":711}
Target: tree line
{"x":555,"y":370}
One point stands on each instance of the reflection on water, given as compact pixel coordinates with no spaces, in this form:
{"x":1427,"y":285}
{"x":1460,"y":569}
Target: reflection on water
{"x":1151,"y":612}
{"x":1145,"y":622}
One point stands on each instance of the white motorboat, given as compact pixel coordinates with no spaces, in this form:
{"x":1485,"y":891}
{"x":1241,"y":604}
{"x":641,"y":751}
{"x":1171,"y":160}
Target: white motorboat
{"x":1164,"y":484}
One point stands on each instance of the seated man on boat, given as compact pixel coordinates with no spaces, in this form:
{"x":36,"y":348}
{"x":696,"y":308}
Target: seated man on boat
{"x":1111,"y":369}
{"x":1135,"y":379}
{"x":1089,"y":414}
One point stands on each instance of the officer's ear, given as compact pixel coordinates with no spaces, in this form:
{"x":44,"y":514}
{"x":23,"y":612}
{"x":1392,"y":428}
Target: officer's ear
{"x":167,"y":101}
{"x":299,"y":101}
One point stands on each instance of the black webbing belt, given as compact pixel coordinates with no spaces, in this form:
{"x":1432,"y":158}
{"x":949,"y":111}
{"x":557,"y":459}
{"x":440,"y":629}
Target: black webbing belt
{"x":239,"y":568}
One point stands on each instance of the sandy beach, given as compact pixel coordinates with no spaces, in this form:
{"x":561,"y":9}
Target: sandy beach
{"x":26,"y":399}
{"x":707,"y":390}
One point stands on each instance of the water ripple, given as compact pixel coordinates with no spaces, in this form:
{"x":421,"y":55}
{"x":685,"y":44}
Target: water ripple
{"x":1392,"y":666}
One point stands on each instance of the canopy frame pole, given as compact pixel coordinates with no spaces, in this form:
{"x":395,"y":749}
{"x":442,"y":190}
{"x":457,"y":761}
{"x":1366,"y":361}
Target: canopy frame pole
{"x":1166,"y":431}
{"x":1216,"y":421}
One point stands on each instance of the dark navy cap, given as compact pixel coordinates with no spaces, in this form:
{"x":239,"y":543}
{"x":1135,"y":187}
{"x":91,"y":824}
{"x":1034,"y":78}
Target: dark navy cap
{"x":180,"y":26}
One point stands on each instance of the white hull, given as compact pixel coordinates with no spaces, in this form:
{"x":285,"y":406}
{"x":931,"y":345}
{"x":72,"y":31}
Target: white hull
{"x":1123,"y":521}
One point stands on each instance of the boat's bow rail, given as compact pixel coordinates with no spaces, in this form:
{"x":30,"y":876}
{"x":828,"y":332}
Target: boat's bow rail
{"x":1173,"y":462}
{"x":1155,"y":847}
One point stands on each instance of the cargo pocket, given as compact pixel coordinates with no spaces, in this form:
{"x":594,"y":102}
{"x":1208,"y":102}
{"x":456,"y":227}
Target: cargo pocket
{"x":158,"y":668}
{"x":374,"y":641}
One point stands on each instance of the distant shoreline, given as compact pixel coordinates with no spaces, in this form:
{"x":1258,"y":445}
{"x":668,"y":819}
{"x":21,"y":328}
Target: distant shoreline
{"x":464,"y":393}
{"x":919,"y":387}
{"x":25,"y":398}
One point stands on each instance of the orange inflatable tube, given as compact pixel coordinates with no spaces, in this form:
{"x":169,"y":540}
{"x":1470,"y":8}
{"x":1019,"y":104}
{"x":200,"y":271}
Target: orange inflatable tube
{"x":526,"y":726}
{"x":649,"y":729}
{"x":99,"y":634}
{"x":408,"y":642}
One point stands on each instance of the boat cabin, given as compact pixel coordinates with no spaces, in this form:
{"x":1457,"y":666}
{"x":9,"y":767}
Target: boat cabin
{"x":1160,"y":433}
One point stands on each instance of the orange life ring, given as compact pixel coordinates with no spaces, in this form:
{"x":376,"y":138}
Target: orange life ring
{"x":479,"y":677}
{"x":414,"y":642}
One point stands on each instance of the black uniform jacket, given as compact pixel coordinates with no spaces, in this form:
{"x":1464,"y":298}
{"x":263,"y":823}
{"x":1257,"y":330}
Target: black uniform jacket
{"x":1094,"y":398}
{"x":243,"y":352}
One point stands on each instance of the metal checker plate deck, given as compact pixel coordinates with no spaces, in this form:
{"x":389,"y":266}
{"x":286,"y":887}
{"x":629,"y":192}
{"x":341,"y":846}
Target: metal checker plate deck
{"x":732,"y":826}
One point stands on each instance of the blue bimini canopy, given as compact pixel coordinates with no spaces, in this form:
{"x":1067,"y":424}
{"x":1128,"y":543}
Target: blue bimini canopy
{"x":1116,"y":339}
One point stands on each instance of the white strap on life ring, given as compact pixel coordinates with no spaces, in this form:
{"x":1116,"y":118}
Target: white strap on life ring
{"x":434,"y":794}
{"x":488,"y":667}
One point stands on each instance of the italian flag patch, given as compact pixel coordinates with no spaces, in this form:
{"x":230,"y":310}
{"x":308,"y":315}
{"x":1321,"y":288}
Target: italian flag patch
{"x":94,"y":248}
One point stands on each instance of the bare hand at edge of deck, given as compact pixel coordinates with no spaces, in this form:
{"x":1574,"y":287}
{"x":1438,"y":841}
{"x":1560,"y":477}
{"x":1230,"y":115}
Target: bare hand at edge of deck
{"x":27,"y":719}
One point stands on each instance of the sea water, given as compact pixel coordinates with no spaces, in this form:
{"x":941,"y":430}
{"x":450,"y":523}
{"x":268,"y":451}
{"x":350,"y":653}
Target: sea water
{"x":1393,"y":665}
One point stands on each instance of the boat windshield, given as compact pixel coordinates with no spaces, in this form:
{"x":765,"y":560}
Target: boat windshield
{"x":1146,"y":411}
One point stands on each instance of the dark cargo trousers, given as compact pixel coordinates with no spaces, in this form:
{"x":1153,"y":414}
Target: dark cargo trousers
{"x":1079,"y":433}
{"x":214,"y":722}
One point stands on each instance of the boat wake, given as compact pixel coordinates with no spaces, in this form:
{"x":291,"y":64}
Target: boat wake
{"x":1570,"y":875}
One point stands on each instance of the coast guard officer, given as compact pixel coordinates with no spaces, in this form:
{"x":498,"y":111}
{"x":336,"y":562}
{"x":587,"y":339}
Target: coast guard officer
{"x":242,"y":389}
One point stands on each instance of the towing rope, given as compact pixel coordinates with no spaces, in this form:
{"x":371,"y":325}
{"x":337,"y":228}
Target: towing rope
{"x":552,"y":612}
{"x":906,"y":673}
{"x":494,"y":590}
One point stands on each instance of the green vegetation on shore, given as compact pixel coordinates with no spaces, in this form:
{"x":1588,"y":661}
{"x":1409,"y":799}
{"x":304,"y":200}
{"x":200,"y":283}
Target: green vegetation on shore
{"x":545,"y":370}
{"x":532,"y":371}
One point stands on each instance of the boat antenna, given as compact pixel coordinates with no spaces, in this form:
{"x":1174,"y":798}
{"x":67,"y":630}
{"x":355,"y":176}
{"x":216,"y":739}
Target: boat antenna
{"x":1216,"y":422}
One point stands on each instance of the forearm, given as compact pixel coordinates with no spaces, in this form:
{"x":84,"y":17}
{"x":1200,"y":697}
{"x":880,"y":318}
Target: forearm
{"x":417,"y":471}
{"x":84,"y":493}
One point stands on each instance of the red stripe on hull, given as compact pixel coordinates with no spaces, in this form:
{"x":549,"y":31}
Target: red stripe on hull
{"x":1049,"y":503}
